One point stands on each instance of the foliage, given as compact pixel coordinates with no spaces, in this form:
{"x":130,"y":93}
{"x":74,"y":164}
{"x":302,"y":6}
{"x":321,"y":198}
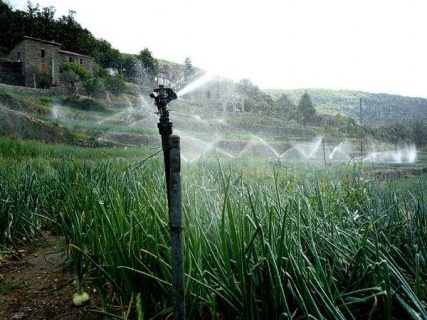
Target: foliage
{"x":83,"y":103}
{"x":305,"y":109}
{"x":93,"y":85}
{"x":254,"y":99}
{"x":286,"y":107}
{"x":41,"y":23}
{"x":261,"y":243}
{"x":341,"y":123}
{"x":99,"y":72}
{"x":395,"y":133}
{"x":377,"y":109}
{"x":105,"y":55}
{"x":419,"y":133}
{"x":188,"y":67}
{"x":132,"y":69}
{"x":77,"y":69}
{"x":43,"y":80}
{"x":115,"y":84}
{"x":150,"y":65}
{"x":416,"y":133}
{"x":69,"y":77}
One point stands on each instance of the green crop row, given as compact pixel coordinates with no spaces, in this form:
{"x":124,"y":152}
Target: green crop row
{"x":261,"y":242}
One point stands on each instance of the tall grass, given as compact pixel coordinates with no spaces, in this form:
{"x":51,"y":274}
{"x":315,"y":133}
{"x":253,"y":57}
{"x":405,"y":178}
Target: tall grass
{"x":270,"y":242}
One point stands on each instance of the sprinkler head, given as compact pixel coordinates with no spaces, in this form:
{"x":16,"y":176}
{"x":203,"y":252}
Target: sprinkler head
{"x":162,"y":96}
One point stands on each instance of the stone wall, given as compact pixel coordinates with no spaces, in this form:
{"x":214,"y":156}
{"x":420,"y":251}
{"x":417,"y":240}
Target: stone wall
{"x":43,"y":58}
{"x":85,"y":61}
{"x":38,"y":57}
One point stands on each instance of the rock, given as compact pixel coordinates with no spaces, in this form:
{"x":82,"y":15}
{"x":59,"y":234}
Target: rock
{"x":18,"y":315}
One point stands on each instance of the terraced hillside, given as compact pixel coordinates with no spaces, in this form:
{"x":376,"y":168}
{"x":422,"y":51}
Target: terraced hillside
{"x":378,"y":108}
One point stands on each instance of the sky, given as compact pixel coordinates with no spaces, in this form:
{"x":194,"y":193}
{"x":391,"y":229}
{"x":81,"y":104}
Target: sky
{"x":368,"y":45}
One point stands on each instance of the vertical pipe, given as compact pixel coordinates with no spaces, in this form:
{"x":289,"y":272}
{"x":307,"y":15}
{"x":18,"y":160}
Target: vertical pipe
{"x":52,"y":62}
{"x":324,"y":152}
{"x":361,"y":128}
{"x":166,"y":160}
{"x":176,"y":228}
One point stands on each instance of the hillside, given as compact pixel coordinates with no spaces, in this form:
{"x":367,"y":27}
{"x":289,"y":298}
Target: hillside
{"x":378,"y":109}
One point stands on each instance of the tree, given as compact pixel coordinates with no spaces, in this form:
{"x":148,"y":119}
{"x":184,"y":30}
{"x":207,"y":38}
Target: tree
{"x":188,"y":67}
{"x":254,"y":99}
{"x":395,"y":133}
{"x":305,"y":109}
{"x":286,"y":107}
{"x":132,"y":69}
{"x":419,"y":133}
{"x":80,"y":71}
{"x":150,"y":65}
{"x":92,"y":86}
{"x":107,"y":56}
{"x":115,"y":84}
{"x":69,"y":77}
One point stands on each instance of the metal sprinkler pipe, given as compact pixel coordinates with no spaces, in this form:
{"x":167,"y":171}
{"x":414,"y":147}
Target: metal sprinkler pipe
{"x":172,"y":160}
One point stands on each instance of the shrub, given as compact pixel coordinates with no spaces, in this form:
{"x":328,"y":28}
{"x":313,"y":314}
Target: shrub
{"x":115,"y":84}
{"x":43,"y":80}
{"x":82,"y":73}
{"x":92,"y":85}
{"x":69,"y":77}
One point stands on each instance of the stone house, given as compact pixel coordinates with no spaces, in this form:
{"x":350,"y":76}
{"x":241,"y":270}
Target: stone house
{"x":39,"y":56}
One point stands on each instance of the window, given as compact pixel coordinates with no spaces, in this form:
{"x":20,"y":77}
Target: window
{"x":81,"y":61}
{"x":42,"y":53}
{"x":70,"y":59}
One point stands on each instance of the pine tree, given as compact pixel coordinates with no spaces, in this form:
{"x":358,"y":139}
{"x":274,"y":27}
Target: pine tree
{"x":305,"y":109}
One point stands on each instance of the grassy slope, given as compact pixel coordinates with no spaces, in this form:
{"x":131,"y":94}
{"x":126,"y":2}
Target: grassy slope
{"x":36,"y":114}
{"x":129,"y":119}
{"x":378,"y":108}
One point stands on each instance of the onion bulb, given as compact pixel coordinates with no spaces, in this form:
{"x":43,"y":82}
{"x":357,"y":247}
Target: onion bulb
{"x":80,"y":298}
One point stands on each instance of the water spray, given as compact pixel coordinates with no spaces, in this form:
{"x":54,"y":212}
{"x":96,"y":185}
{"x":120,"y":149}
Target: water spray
{"x":172,"y":158}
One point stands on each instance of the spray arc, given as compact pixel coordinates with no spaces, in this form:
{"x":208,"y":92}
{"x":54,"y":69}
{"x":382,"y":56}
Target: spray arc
{"x":172,"y":159}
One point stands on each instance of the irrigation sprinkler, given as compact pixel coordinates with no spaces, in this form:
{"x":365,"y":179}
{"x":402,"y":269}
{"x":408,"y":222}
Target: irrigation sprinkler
{"x":172,"y":159}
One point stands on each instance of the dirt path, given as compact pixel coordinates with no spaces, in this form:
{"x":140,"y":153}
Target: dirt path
{"x":37,"y":287}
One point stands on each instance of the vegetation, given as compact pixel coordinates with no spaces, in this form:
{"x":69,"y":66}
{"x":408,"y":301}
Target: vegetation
{"x":77,"y":69}
{"x":264,"y":239}
{"x":115,"y":84}
{"x":43,"y":80}
{"x":261,"y":242}
{"x":41,"y":23}
{"x":305,"y":109}
{"x":149,"y":65}
{"x":254,"y":99}
{"x":377,"y":109}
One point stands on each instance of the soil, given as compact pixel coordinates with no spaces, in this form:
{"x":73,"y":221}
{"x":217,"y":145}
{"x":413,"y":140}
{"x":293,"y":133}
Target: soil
{"x":37,"y":286}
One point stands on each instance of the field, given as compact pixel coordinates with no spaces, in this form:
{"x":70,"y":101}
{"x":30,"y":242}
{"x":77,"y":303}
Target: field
{"x":281,"y":221}
{"x":263,"y":239}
